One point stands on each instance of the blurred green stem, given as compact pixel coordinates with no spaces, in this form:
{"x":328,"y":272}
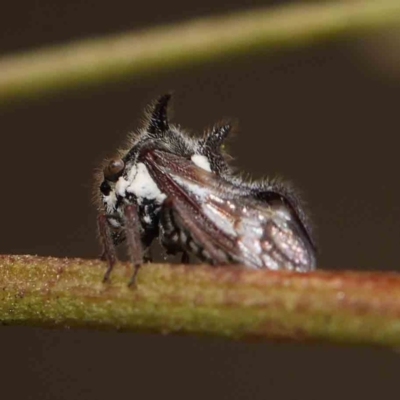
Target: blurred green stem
{"x":98,"y":60}
{"x":345,"y":307}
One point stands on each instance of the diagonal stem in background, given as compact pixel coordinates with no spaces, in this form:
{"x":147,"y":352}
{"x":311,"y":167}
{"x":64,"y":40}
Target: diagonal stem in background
{"x":118,"y":57}
{"x":342,"y":307}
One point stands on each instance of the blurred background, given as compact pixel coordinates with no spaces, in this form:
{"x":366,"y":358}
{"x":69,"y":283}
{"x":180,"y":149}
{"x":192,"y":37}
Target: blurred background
{"x":325,"y":118}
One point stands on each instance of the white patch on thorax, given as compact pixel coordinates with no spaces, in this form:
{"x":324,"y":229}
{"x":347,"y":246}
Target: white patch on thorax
{"x":141,"y":184}
{"x":110,"y":202}
{"x":201,"y":161}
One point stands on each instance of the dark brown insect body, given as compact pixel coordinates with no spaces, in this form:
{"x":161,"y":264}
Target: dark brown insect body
{"x":182,"y":190}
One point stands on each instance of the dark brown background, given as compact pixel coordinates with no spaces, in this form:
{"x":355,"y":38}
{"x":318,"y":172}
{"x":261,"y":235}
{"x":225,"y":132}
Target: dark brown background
{"x":326,"y":118}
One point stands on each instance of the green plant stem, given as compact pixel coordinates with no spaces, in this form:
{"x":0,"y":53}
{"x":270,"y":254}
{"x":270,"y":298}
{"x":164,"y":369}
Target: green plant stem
{"x":346,"y":307}
{"x":117,"y":57}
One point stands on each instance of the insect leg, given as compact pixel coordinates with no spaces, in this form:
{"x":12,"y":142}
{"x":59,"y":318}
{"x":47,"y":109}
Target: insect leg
{"x":147,"y":256}
{"x":185,"y":259}
{"x":108,"y":244}
{"x":133,"y":239}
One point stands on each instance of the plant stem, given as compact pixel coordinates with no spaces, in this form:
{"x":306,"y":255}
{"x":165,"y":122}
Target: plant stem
{"x":118,"y":57}
{"x":346,"y":307}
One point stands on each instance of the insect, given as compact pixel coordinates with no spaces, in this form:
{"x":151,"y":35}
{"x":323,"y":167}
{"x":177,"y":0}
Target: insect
{"x":183,"y":191}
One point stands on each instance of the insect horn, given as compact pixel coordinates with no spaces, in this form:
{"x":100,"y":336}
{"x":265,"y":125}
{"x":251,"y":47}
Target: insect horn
{"x":158,"y":122}
{"x":216,"y":136}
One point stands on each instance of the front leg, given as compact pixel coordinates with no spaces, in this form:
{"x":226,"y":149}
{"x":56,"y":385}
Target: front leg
{"x":133,"y":239}
{"x":107,"y":241}
{"x":185,"y":259}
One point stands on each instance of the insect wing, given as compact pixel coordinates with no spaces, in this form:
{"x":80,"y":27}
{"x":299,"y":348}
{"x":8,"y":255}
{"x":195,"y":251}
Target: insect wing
{"x":265,"y":236}
{"x":226,"y":221}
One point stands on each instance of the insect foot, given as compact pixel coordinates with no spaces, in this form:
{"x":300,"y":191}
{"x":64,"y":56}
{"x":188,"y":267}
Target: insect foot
{"x":181,"y":190}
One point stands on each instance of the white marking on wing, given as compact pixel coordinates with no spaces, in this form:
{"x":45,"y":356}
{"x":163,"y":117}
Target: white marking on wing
{"x":220,"y":219}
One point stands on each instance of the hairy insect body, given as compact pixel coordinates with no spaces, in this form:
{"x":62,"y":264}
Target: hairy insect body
{"x":182,"y":190}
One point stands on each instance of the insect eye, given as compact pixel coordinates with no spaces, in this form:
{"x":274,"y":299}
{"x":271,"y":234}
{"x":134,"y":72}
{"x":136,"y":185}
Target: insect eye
{"x":114,"y":169}
{"x":105,"y":188}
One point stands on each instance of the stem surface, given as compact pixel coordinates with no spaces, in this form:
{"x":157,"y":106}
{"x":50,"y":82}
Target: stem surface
{"x":346,"y":307}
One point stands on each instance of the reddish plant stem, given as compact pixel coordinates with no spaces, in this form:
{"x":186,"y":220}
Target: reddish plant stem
{"x":346,"y":307}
